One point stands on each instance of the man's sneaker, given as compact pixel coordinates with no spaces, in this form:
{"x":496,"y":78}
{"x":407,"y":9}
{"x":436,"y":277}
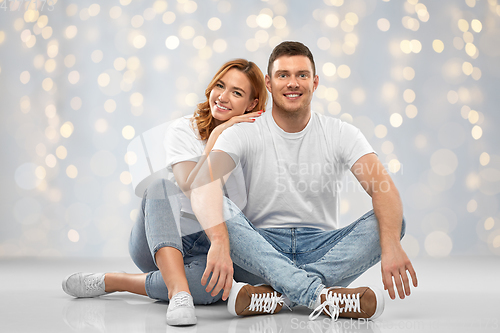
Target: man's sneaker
{"x":362,"y":302}
{"x":180,"y":310}
{"x":248,"y":300}
{"x":84,"y":285}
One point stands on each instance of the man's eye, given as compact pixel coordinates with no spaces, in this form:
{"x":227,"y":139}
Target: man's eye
{"x":281,"y":76}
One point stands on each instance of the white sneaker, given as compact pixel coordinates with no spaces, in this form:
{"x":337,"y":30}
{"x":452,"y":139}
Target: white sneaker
{"x":180,"y":310}
{"x":84,"y":285}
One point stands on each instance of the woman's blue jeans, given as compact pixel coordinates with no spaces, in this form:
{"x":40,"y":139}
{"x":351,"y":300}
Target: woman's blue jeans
{"x":297,"y":262}
{"x":160,"y":224}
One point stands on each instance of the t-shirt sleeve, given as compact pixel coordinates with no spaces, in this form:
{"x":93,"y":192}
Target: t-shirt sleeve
{"x":231,"y":141}
{"x":353,"y":144}
{"x":180,"y":144}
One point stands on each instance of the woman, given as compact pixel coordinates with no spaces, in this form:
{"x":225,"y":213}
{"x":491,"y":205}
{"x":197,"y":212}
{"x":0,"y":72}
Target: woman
{"x":166,"y":242}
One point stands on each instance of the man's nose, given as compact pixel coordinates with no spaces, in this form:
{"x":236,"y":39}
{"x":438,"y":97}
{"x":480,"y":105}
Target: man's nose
{"x":293,"y":83}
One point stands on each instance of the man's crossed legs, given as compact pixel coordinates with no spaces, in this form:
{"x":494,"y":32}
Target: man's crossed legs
{"x":301,"y":262}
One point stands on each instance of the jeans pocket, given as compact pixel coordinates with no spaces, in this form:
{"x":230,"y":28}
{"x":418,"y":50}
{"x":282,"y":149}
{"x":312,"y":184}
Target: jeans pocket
{"x":196,"y":244}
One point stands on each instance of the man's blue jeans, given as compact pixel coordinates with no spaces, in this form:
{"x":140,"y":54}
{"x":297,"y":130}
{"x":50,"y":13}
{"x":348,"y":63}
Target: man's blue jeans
{"x":300,"y":262}
{"x":297,"y":262}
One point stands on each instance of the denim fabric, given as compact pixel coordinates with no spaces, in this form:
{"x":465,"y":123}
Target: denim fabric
{"x":158,"y":225}
{"x":297,"y":262}
{"x":300,"y":262}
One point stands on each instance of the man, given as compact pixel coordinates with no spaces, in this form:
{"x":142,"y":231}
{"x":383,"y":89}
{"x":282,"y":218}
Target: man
{"x":290,"y":236}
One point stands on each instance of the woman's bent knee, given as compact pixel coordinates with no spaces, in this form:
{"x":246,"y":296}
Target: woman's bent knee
{"x":161,"y":189}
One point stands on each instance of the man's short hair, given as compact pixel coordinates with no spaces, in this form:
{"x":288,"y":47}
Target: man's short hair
{"x":289,"y":48}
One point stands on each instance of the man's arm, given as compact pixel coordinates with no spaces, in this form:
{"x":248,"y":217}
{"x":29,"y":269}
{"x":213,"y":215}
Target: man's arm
{"x":207,"y":204}
{"x":388,"y":209}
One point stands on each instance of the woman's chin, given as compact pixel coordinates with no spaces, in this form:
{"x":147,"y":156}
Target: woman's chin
{"x":220,"y":117}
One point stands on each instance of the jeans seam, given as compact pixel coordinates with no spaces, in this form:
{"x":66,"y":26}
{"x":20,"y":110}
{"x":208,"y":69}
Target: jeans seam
{"x":316,"y":294}
{"x":147,"y":285}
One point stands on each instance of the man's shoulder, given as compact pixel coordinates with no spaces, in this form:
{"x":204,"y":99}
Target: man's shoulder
{"x":328,"y":123}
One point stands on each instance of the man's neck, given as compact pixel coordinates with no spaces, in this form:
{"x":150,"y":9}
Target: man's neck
{"x":291,"y":122}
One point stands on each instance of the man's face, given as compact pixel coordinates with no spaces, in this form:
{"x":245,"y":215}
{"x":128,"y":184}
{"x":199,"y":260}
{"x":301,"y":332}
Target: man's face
{"x":292,"y":83}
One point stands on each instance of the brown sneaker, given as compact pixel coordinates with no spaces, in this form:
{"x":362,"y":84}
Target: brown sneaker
{"x":248,"y":300}
{"x":362,"y":302}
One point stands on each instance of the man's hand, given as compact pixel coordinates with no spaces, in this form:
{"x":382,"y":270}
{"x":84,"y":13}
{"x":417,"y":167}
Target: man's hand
{"x":395,"y":264}
{"x":219,"y":263}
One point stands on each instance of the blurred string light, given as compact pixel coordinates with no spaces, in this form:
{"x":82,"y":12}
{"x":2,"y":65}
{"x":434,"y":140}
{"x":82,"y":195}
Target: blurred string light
{"x":119,"y":77}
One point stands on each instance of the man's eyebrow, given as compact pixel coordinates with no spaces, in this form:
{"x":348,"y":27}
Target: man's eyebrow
{"x":284,"y":71}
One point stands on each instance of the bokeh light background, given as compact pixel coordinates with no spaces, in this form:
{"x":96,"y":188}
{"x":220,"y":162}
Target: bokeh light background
{"x":80,"y":79}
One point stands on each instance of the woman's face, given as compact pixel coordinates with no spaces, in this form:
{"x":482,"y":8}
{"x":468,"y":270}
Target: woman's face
{"x":231,"y":96}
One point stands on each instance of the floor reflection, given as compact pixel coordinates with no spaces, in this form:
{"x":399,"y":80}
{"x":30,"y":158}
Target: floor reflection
{"x":122,"y":313}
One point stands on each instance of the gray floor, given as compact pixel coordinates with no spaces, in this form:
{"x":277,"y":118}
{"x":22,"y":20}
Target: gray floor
{"x":455,"y":295}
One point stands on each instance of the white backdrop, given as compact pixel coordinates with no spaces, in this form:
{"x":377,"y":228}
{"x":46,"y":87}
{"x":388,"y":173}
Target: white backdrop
{"x":79,"y":80}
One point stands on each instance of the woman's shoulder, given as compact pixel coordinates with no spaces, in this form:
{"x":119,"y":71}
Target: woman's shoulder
{"x":182,"y":122}
{"x":184,"y":126}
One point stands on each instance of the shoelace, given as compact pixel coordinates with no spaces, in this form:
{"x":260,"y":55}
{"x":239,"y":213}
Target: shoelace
{"x":180,"y":300}
{"x":92,"y":283}
{"x":332,"y":303}
{"x":265,"y":302}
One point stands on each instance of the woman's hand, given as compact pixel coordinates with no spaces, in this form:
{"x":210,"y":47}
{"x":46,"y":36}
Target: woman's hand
{"x":244,"y":118}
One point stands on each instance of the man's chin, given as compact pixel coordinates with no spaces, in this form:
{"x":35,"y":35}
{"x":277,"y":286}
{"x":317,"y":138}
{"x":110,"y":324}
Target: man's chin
{"x":292,"y":110}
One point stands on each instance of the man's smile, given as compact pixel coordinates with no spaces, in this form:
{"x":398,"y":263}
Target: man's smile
{"x":292,"y":95}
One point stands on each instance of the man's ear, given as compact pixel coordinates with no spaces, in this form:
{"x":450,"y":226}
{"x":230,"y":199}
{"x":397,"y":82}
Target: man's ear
{"x":315,"y":82}
{"x":268,"y":83}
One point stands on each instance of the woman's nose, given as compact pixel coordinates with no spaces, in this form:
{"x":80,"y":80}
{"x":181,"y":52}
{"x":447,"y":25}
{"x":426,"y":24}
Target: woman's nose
{"x":223,"y":96}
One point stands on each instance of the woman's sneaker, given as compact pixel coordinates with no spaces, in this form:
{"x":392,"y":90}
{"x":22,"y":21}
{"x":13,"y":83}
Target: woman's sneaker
{"x":248,"y":300}
{"x":362,"y":302}
{"x":180,"y":310}
{"x":84,"y":285}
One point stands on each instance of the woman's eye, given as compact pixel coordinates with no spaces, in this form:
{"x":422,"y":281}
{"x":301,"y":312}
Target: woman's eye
{"x":219,"y":85}
{"x":237,"y":93}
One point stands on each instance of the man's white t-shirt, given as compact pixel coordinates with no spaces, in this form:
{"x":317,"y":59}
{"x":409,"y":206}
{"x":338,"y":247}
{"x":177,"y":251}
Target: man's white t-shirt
{"x":294,"y":179}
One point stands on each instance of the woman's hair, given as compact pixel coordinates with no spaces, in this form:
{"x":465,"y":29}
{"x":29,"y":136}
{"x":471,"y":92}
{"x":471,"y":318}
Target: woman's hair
{"x":203,"y":118}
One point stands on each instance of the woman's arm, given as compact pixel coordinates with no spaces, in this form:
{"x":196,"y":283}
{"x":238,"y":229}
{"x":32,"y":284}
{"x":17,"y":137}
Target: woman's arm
{"x":185,"y":172}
